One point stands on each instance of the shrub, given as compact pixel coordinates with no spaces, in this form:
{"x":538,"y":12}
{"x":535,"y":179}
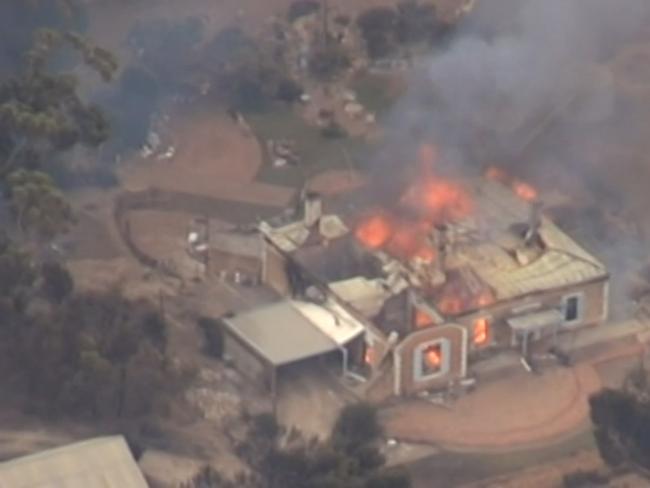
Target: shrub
{"x":377,"y":27}
{"x":584,"y":479}
{"x":302,"y":8}
{"x":289,"y":91}
{"x":265,"y":426}
{"x":328,"y":62}
{"x":390,"y":478}
{"x":57,"y":281}
{"x":213,"y":334}
{"x":356,"y":426}
{"x":333,"y":130}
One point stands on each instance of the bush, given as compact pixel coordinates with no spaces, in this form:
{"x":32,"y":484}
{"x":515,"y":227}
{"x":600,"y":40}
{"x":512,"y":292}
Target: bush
{"x":415,"y":22}
{"x":377,"y":27}
{"x":357,"y":426}
{"x":302,"y":8}
{"x":289,"y":91}
{"x":57,"y":281}
{"x":213,"y":334}
{"x":328,"y":62}
{"x":265,"y":426}
{"x":584,"y":479}
{"x":333,"y":130}
{"x":390,"y":478}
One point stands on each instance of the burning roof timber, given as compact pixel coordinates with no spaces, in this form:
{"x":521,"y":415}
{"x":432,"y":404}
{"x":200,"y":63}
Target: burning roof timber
{"x":457,"y":246}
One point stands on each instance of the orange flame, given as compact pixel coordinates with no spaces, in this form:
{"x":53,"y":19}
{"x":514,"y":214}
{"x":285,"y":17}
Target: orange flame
{"x":369,"y":355}
{"x":433,"y":357}
{"x":524,"y":190}
{"x":426,"y":253}
{"x":481,"y":331}
{"x":422,"y":319}
{"x":450,"y":305}
{"x":496,"y":174}
{"x":484,"y":299}
{"x":434,"y":200}
{"x":374,"y":232}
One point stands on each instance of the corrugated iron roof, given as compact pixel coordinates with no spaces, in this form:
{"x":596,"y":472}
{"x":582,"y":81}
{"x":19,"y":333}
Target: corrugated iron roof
{"x":563,"y":262}
{"x":288,"y":331}
{"x":104,"y":462}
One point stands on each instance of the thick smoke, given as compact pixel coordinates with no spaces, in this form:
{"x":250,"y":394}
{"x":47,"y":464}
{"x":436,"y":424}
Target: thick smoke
{"x":532,"y":85}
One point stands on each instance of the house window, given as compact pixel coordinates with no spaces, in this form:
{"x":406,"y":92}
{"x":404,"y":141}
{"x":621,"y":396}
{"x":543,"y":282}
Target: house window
{"x":431,"y":360}
{"x":572,"y":306}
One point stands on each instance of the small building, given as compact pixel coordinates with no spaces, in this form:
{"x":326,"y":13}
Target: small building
{"x":104,"y":462}
{"x":262,"y":341}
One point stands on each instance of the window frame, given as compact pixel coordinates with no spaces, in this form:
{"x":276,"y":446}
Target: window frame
{"x":580,"y":308}
{"x":418,"y":370}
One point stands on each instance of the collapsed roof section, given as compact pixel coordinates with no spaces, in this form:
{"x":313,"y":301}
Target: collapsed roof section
{"x":504,"y":249}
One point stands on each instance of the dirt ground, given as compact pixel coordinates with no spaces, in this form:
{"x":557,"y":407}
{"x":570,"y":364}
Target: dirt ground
{"x":547,"y":476}
{"x":214,"y":157}
{"x":524,"y":409}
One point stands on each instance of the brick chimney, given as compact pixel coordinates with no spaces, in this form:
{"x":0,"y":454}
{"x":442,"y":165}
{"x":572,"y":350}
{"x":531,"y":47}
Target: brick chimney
{"x":312,"y":208}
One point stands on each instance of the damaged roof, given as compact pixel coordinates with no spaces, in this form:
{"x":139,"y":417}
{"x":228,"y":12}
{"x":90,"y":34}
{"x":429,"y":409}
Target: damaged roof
{"x":562,"y":261}
{"x":489,"y":245}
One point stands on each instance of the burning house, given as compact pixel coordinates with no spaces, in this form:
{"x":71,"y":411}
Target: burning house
{"x":450,"y":274}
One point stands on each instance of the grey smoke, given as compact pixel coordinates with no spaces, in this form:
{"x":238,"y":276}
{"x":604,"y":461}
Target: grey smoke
{"x":515,"y":62}
{"x":527,"y":84}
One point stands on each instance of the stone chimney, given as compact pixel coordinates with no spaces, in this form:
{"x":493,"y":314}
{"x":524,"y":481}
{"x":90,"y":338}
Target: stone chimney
{"x":534,"y":222}
{"x":313,"y":208}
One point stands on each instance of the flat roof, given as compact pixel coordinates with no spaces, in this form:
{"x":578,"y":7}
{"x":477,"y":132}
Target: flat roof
{"x":288,"y":331}
{"x":536,"y":320}
{"x":103,"y":462}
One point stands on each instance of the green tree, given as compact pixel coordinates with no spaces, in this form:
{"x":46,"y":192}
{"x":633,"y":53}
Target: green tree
{"x":356,"y":426}
{"x":41,"y":111}
{"x":58,"y":283}
{"x":349,"y":459}
{"x":302,"y":8}
{"x":416,"y":22}
{"x":328,"y":61}
{"x":621,"y":420}
{"x":377,"y":27}
{"x":38,"y":207}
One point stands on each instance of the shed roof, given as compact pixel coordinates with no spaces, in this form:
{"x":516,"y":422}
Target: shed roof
{"x":288,"y":331}
{"x":104,"y":462}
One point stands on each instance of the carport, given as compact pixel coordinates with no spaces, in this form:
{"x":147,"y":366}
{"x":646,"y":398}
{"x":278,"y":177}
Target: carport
{"x":262,"y":340}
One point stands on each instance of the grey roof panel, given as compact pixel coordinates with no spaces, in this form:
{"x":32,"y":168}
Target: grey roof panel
{"x":280,"y":333}
{"x":105,"y":462}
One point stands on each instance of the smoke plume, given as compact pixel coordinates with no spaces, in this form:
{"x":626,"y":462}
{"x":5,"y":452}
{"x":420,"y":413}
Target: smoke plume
{"x":535,"y":86}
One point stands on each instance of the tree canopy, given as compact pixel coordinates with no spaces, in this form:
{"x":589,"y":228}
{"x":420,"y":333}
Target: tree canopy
{"x":42,"y":115}
{"x":93,"y":355}
{"x":384,"y":29}
{"x":621,"y":420}
{"x":349,"y":459}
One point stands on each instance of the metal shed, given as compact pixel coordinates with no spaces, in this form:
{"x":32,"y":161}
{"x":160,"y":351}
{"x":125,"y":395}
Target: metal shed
{"x":286,"y":332}
{"x":104,"y":462}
